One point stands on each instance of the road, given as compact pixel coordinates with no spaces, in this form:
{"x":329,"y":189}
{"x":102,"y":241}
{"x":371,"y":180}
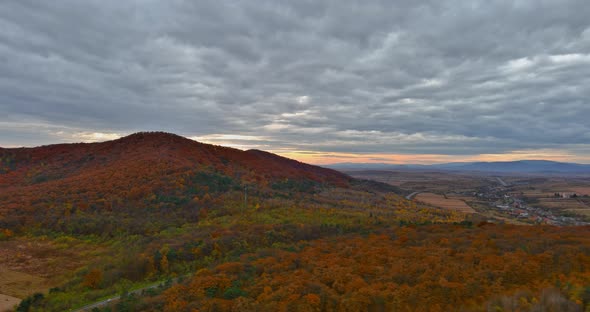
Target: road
{"x":115,"y":298}
{"x":409,"y":197}
{"x":501,"y":181}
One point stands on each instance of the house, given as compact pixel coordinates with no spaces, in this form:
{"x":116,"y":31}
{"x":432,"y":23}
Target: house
{"x":565,"y":194}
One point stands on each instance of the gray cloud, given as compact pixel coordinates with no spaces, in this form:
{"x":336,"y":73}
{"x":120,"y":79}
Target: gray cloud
{"x":435,"y":77}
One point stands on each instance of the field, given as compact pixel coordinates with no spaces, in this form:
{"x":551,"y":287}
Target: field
{"x":580,"y":190}
{"x":29,"y":266}
{"x":7,"y":302}
{"x":20,"y":285}
{"x":445,"y":203}
{"x":440,"y":182}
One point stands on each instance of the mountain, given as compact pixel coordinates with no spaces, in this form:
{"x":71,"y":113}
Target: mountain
{"x":142,"y":172}
{"x":521,"y":166}
{"x":379,"y":166}
{"x":525,"y":166}
{"x":142,"y":151}
{"x":373,"y":166}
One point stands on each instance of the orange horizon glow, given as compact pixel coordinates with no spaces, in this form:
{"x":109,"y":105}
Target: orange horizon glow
{"x":244,"y":142}
{"x":326,"y":158}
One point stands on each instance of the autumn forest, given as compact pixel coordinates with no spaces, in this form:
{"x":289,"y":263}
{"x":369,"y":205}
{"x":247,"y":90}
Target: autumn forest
{"x":157,"y":222}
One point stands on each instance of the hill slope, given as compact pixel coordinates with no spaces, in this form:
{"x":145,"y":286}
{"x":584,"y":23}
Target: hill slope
{"x":25,"y":166}
{"x":143,"y":170}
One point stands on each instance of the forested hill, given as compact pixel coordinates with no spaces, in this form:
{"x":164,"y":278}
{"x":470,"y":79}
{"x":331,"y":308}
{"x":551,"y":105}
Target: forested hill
{"x":26,"y":166}
{"x":144,"y":170}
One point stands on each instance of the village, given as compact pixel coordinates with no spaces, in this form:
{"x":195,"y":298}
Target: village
{"x":513,"y":204}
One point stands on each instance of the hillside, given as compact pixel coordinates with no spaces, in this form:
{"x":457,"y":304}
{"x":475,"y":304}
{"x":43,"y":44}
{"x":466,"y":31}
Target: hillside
{"x":26,"y":166}
{"x":83,"y":222}
{"x":142,"y":170}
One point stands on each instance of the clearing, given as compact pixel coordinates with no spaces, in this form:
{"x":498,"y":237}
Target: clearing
{"x":20,"y":285}
{"x":34,"y":265}
{"x":7,"y":303}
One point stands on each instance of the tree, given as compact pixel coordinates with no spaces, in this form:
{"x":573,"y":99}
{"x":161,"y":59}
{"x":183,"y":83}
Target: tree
{"x":93,"y":279}
{"x":164,"y":266}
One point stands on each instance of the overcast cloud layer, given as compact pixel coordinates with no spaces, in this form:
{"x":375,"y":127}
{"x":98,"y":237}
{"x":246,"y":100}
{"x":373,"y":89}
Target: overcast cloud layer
{"x":386,"y":77}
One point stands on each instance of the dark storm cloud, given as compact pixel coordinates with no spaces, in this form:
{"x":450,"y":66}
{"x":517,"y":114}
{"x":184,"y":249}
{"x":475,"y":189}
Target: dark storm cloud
{"x":441,"y":77}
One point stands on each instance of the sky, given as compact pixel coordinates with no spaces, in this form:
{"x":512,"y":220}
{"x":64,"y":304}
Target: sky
{"x":318,"y":81}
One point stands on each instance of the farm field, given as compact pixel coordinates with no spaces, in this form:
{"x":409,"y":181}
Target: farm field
{"x":440,"y":182}
{"x":445,"y":203}
{"x":580,"y":190}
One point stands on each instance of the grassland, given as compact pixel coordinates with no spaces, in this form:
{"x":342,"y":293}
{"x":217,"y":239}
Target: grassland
{"x":30,"y":265}
{"x":19,"y":284}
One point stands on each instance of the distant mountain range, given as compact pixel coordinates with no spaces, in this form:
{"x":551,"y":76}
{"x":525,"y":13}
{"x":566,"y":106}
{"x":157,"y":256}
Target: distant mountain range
{"x":521,"y":166}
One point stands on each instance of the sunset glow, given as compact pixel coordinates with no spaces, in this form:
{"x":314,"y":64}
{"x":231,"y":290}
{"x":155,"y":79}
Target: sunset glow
{"x":322,"y":158}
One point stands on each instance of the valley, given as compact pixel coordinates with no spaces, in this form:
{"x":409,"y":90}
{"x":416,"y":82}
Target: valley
{"x":515,"y":198}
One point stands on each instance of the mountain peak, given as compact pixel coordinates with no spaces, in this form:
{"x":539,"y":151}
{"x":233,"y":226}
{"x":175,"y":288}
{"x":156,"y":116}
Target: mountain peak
{"x":154,"y":136}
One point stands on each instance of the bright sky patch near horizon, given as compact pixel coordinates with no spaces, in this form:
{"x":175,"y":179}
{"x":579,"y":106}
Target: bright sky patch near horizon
{"x":319,"y":81}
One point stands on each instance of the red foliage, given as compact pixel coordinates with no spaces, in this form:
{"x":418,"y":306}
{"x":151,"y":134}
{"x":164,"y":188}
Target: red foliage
{"x":134,"y":169}
{"x":375,"y":273}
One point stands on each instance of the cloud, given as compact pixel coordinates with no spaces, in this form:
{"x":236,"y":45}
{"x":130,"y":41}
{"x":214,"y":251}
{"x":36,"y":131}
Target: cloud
{"x":385,"y":77}
{"x":94,"y":136}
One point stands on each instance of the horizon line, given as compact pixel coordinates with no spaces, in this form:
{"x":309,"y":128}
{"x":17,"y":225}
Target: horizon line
{"x":323,"y":158}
